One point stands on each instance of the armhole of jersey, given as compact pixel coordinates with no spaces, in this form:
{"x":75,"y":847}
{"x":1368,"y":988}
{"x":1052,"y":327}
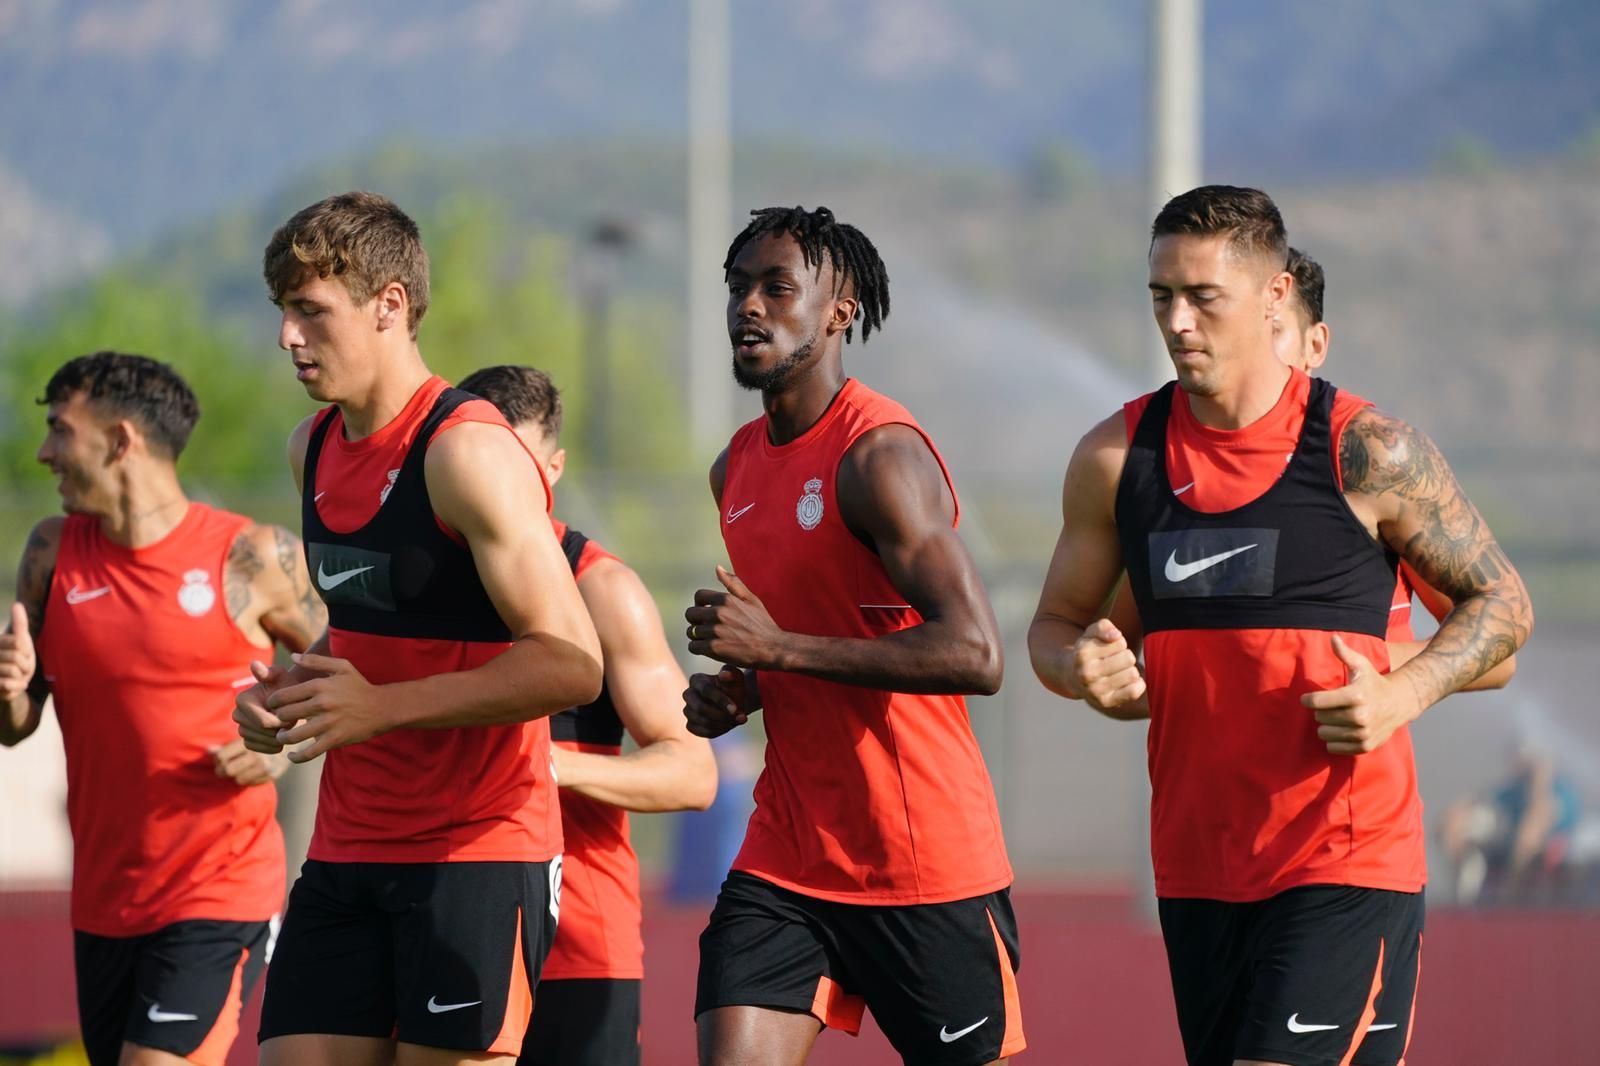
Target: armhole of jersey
{"x":241,"y":529}
{"x":457,"y":418}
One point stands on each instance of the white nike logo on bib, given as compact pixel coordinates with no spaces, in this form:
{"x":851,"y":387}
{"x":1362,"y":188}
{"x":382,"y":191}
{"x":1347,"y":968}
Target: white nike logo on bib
{"x":332,"y":581}
{"x":1176,"y":571}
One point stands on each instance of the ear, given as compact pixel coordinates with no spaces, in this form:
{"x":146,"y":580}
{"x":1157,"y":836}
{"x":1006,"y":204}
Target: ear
{"x":393,"y":307}
{"x":1279,"y":286}
{"x":554,"y":465}
{"x":123,"y":437}
{"x":1317,"y":340}
{"x":844,"y":313}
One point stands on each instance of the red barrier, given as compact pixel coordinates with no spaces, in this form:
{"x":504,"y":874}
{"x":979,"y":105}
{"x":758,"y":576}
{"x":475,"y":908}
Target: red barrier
{"x":1498,"y":988}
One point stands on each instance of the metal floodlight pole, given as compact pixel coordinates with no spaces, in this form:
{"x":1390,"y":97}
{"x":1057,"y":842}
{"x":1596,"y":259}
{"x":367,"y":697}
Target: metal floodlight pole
{"x":1176,"y":44}
{"x":710,"y":399}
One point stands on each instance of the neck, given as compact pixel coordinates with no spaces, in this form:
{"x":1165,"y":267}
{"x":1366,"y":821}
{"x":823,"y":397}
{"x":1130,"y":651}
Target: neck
{"x":390,"y":390}
{"x":150,"y":506}
{"x":1253,"y":393}
{"x":804,"y":399}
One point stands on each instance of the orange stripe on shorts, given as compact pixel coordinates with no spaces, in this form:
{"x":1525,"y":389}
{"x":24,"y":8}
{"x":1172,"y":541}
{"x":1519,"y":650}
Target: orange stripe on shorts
{"x":836,"y":1008}
{"x":1013,"y":1041}
{"x":519,"y":1001}
{"x":213,"y":1050}
{"x":1369,"y":1012}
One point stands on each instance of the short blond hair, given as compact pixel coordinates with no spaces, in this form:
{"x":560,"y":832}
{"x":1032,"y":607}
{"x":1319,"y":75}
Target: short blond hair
{"x":362,"y":239}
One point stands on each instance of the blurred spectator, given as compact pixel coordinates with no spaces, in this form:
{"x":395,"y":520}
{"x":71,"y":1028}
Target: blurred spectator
{"x":1511,"y":842}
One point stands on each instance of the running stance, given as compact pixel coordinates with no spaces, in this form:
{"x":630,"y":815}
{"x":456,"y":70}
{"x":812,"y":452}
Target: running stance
{"x":873,"y":872}
{"x":587,"y":1009}
{"x":420,"y":920}
{"x":139,"y":613}
{"x":1261,"y":516}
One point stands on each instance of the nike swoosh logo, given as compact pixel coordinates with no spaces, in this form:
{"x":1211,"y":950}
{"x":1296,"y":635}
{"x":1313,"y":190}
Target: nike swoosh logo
{"x":945,"y":1036}
{"x":319,"y":496}
{"x":77,"y":595}
{"x":1378,"y":1028}
{"x":1186,"y":488}
{"x":1176,"y":571}
{"x":156,"y":1014}
{"x":329,"y":581}
{"x":435,"y":1007}
{"x":1297,"y":1026}
{"x":733,"y":516}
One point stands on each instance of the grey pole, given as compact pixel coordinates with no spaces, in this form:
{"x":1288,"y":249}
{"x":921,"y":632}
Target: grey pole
{"x":1176,"y":44}
{"x":710,"y":397}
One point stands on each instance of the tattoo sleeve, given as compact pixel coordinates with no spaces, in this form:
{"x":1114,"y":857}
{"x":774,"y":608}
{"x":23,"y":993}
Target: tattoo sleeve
{"x":305,"y":621}
{"x":243,"y":566}
{"x":33,"y":591}
{"x":1426,"y":517}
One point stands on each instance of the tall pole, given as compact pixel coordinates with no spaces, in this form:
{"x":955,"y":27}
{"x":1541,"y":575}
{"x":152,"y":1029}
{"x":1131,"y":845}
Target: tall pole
{"x":710,"y":399}
{"x":1176,"y":44}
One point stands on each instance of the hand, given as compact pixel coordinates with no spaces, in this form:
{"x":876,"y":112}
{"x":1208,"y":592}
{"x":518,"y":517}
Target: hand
{"x":734,"y":627}
{"x":1104,"y":668}
{"x":1363,"y":714}
{"x":17,"y":658}
{"x":716,"y":703}
{"x":246,"y":767}
{"x":258,"y":726}
{"x":336,"y":709}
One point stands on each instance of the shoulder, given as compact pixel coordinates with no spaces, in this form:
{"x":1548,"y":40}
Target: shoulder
{"x":300,"y":437}
{"x":263,"y":541}
{"x":1104,"y":448}
{"x":1379,"y":452}
{"x":618,"y":601}
{"x":44,"y":541}
{"x":719,"y":474}
{"x":481,"y":460}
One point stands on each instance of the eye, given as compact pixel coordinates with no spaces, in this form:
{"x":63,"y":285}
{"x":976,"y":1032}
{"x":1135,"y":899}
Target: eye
{"x":1159,"y":298}
{"x":777,"y":290}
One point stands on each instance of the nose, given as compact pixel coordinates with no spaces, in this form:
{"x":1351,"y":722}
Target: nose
{"x":289,"y":335}
{"x":1180,"y":317}
{"x":46,"y":451}
{"x":748,"y":306}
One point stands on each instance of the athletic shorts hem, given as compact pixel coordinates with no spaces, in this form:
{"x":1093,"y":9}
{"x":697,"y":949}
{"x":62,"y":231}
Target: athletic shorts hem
{"x":885,"y":899}
{"x":791,"y":1007}
{"x":1267,"y":1053}
{"x":591,"y":974}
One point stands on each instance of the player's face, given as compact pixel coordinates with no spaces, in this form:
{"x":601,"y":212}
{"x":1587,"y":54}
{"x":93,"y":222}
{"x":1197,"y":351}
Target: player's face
{"x":777,"y":306}
{"x":81,"y":448}
{"x":327,"y":336}
{"x":1213,"y":306}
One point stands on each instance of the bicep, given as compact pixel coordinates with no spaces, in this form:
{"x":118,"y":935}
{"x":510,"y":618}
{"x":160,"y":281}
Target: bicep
{"x":486,"y":487}
{"x":894,"y":491}
{"x":644,"y":679}
{"x":292,"y":613}
{"x":35,"y":569}
{"x":1087,"y":561}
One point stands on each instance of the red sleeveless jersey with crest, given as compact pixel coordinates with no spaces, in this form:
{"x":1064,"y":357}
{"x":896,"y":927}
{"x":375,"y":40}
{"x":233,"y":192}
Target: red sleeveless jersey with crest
{"x":144,"y":664}
{"x":472,"y":793}
{"x":601,"y":916}
{"x":1246,"y":800}
{"x":867,"y":796}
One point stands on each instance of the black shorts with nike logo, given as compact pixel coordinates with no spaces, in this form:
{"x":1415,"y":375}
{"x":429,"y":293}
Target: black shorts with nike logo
{"x":1300,"y":978}
{"x":179,"y":989}
{"x":939,"y":978}
{"x":440,"y":954}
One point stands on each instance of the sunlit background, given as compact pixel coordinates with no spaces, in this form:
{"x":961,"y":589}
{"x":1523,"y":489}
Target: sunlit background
{"x":578,"y":167}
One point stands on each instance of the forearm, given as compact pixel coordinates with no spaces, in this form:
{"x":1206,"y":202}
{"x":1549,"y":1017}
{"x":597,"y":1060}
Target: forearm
{"x":19,"y":718}
{"x":1402,"y":652}
{"x":534,"y":678}
{"x":668,"y":775}
{"x":1482,"y":632}
{"x":929,"y":658}
{"x":1050,"y":643}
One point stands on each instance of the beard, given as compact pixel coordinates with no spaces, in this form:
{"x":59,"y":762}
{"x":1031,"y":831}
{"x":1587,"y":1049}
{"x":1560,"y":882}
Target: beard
{"x":779,"y":374}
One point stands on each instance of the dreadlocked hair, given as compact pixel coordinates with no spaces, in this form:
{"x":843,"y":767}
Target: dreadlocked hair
{"x":818,"y":233}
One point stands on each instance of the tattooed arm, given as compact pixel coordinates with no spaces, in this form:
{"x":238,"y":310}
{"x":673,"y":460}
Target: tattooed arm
{"x":268,"y":589}
{"x":22,"y":683}
{"x":1400,"y":485}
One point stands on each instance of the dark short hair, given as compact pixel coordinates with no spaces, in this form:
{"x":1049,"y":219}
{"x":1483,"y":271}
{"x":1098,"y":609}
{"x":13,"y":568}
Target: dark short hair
{"x":854,"y":258}
{"x":1308,"y":284}
{"x":133,"y":387}
{"x":1248,"y":216}
{"x":522,"y":394}
{"x":362,"y":239}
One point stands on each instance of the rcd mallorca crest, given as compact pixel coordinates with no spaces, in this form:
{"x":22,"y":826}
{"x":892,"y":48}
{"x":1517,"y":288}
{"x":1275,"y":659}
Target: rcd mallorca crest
{"x":809,"y":510}
{"x":196,"y":597}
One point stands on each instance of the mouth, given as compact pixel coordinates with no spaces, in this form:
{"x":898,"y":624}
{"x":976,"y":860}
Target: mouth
{"x":746,"y":339}
{"x":304,"y":369}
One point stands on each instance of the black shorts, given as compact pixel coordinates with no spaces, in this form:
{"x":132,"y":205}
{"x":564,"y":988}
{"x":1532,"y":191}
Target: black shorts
{"x":1299,"y":978}
{"x":437,"y":954}
{"x":179,"y":989}
{"x":940,"y":978}
{"x":583,"y":1022}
